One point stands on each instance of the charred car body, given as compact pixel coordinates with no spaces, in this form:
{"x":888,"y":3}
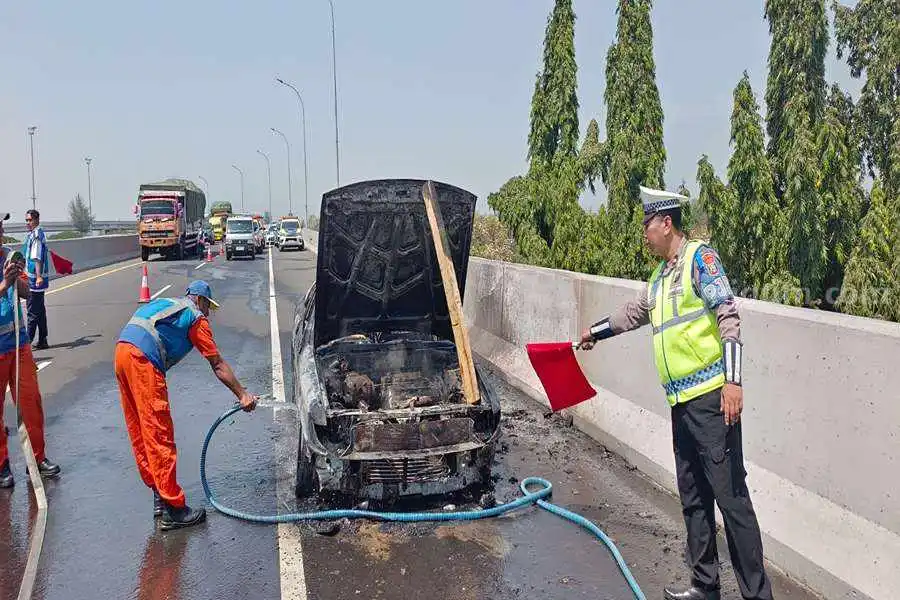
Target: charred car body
{"x":376,"y":373}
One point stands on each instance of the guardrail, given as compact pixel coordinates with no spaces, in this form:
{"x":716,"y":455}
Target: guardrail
{"x":57,"y":226}
{"x":98,"y":251}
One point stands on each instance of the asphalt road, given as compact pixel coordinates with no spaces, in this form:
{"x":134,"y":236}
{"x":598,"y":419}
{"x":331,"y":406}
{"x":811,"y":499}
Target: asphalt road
{"x":102,"y":542}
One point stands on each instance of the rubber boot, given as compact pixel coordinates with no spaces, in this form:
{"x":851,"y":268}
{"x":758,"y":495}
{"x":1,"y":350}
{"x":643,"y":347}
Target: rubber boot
{"x":159,"y":507}
{"x":176,"y":518}
{"x":6,"y":476}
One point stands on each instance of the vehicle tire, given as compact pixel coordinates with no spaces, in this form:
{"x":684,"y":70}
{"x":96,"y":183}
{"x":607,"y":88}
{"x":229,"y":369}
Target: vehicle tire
{"x":307,"y":479}
{"x":228,"y":256}
{"x":145,"y":253}
{"x":179,"y":251}
{"x":253,"y":254}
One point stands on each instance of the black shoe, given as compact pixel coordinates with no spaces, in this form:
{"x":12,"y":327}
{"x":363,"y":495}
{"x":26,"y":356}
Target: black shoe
{"x":6,"y":476}
{"x":176,"y":518}
{"x":692,"y":593}
{"x":41,"y":346}
{"x":47,"y":468}
{"x":159,"y":507}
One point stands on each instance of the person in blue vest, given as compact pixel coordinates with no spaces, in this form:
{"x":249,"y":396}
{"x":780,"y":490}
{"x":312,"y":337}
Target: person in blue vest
{"x":38,"y":267}
{"x":28,"y":397}
{"x":157,"y":337}
{"x":691,"y":308}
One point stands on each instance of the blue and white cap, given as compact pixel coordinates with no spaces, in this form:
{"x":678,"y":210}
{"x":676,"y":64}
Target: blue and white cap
{"x":201,"y":288}
{"x":656,"y":201}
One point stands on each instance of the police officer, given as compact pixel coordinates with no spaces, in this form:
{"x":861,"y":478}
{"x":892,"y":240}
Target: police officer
{"x":156,"y":338}
{"x":697,"y":345}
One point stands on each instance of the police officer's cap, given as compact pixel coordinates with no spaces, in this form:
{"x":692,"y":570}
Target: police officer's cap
{"x":660,"y":201}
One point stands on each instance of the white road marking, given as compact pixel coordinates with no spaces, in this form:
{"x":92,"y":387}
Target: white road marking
{"x":42,"y":364}
{"x":200,"y":265}
{"x":154,"y":296}
{"x":290,"y":547}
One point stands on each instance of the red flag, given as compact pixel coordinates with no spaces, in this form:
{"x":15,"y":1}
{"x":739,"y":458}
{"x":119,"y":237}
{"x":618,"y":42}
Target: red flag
{"x":560,"y":374}
{"x":62,"y":265}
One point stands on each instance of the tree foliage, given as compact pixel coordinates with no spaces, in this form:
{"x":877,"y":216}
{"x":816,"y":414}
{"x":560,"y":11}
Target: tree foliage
{"x":869,"y":36}
{"x":79,"y":214}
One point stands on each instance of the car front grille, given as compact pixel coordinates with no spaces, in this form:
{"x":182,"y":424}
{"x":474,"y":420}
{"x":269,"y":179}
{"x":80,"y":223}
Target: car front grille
{"x":405,"y":470}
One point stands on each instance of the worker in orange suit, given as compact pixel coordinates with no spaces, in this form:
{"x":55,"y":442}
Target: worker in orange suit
{"x":29,"y":394}
{"x":156,"y":338}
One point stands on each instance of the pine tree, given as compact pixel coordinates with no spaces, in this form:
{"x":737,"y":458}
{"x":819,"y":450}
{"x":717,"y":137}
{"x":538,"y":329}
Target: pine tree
{"x":554,"y":106}
{"x":842,"y":196}
{"x":799,"y":30}
{"x":869,"y":35}
{"x":871,"y":286}
{"x":759,"y":233}
{"x":633,"y":152}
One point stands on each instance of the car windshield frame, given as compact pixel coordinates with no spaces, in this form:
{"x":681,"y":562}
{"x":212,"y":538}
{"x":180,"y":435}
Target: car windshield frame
{"x":158,"y":206}
{"x":290,"y":227}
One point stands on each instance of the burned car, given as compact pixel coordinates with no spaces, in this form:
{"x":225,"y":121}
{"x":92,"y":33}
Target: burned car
{"x":377,"y":375}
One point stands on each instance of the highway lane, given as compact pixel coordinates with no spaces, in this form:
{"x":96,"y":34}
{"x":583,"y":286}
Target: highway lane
{"x":101,"y":540}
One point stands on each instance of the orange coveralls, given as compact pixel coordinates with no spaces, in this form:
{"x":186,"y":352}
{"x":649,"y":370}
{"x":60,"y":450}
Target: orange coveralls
{"x":30,"y":407}
{"x":145,"y":402}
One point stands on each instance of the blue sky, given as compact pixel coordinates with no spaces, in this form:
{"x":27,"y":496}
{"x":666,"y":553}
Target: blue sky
{"x":425,"y":89}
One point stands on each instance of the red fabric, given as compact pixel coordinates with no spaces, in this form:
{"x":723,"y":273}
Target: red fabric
{"x":62,"y":265}
{"x":29,"y":403}
{"x":560,"y":374}
{"x":145,"y":403}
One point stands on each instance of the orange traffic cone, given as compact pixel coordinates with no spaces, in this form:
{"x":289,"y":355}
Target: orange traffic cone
{"x":145,"y":287}
{"x":222,"y":248}
{"x":209,"y":254}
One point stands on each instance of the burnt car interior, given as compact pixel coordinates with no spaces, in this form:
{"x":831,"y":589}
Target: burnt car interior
{"x":383,"y":411}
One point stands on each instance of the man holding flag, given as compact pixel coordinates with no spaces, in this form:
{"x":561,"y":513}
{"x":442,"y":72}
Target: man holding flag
{"x":696,"y":342}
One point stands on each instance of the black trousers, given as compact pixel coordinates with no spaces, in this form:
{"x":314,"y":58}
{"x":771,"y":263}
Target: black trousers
{"x":37,"y":316}
{"x":709,"y":462}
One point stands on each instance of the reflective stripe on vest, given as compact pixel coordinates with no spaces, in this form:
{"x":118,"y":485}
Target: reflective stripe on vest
{"x":149,"y":326}
{"x":686,"y":342}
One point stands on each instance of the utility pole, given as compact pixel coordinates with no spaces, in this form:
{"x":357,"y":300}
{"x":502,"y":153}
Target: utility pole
{"x":87,"y":161}
{"x":305,"y":166}
{"x":269,"y":175}
{"x":288,"y":145}
{"x":31,"y":131}
{"x":236,"y":168}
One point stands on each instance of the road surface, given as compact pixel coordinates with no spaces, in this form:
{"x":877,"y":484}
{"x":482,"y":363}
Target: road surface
{"x":102,"y":542}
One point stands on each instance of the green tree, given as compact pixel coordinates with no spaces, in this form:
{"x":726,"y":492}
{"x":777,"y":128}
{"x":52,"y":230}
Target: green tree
{"x":79,"y":214}
{"x":633,"y":153}
{"x":871,"y":286}
{"x":869,"y":36}
{"x":554,"y":105}
{"x":796,"y":81}
{"x":720,"y":206}
{"x":759,"y":225}
{"x":842,"y":196}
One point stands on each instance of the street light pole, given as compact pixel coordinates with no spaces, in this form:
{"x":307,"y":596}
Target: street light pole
{"x":87,"y":161}
{"x":269,"y":175}
{"x":242,"y":185}
{"x":337,"y":158}
{"x":31,"y":131}
{"x":305,"y":166}
{"x":288,"y":145}
{"x":205,"y":183}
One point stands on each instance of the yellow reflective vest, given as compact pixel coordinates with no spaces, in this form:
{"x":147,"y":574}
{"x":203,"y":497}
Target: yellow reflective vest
{"x":686,"y":341}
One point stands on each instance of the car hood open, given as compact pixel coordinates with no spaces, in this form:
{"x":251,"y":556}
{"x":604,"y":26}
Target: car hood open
{"x":377,"y":269}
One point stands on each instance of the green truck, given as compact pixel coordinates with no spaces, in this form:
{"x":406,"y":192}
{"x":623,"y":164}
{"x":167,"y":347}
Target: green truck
{"x":218,"y":214}
{"x":170,"y":218}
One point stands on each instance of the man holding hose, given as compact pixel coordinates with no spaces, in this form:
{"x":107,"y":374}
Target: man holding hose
{"x":29,"y":394}
{"x":156,"y":338}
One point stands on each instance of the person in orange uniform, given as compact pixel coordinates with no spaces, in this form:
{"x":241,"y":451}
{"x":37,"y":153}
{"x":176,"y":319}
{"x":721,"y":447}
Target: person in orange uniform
{"x":29,"y":400}
{"x":156,"y":338}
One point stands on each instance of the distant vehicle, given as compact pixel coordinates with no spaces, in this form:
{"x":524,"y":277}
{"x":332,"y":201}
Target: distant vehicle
{"x":271,"y":236}
{"x":219,"y":213}
{"x":242,"y":237}
{"x":290,"y":234}
{"x":170,"y":218}
{"x":377,"y":377}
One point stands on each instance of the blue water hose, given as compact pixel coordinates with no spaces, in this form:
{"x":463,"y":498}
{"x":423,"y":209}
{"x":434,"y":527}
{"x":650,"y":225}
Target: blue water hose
{"x":536,"y":497}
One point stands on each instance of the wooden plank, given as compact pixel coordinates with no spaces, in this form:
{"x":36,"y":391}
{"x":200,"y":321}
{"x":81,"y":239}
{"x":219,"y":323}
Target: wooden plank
{"x":451,"y":291}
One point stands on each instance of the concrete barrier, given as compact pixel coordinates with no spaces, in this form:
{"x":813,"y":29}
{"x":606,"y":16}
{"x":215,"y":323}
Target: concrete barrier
{"x":821,"y":418}
{"x":98,"y":251}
